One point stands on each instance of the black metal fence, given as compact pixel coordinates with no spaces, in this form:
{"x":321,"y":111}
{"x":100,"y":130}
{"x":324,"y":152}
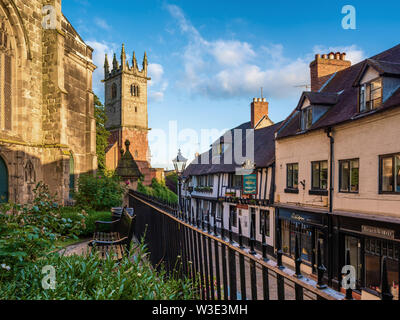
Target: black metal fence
{"x":220,"y":268}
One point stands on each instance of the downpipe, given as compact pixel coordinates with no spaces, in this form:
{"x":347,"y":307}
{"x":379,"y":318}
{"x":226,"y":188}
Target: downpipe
{"x":331,"y":190}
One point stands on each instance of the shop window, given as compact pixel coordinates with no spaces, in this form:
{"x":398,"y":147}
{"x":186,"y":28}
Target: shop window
{"x":375,"y":250}
{"x":371,"y":95}
{"x":353,"y":245}
{"x":264,"y":222}
{"x":233,"y":215}
{"x":319,"y":175}
{"x":293,"y":176}
{"x":390,"y":174}
{"x":304,"y":233}
{"x":349,"y":175}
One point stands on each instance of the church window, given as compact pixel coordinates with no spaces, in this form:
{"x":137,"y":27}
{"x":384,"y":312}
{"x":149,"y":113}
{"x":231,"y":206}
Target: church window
{"x":113,"y":91}
{"x":135,"y":109}
{"x":30,"y":175}
{"x":134,"y":90}
{"x":6,"y":63}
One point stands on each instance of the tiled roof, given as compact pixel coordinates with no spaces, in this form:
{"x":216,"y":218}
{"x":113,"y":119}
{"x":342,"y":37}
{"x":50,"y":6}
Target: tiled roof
{"x":264,"y":152}
{"x":342,"y":84}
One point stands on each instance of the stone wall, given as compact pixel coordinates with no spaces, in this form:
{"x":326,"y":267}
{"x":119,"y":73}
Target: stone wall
{"x":51,"y":100}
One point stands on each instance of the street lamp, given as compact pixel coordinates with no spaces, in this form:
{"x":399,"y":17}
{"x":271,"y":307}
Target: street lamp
{"x":179,"y":165}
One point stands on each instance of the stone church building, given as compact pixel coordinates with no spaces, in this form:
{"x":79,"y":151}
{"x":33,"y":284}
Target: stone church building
{"x":125,"y":95}
{"x":47,"y":126}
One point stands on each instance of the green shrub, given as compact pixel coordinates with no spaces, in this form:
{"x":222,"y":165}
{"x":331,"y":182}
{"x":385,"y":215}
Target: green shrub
{"x":29,"y":231}
{"x":100,"y":192}
{"x":89,"y":278}
{"x":90,"y":219}
{"x":158,"y":190}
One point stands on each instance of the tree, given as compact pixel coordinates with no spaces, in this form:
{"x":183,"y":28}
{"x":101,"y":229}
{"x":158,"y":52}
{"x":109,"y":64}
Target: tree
{"x":101,"y":132}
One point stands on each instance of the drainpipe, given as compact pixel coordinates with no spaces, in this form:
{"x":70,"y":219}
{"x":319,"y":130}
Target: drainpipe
{"x":331,"y":190}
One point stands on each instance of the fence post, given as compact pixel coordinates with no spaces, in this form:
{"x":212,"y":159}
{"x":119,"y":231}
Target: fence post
{"x":230,"y":229}
{"x":321,"y":268}
{"x":252,"y":235}
{"x":264,"y":246}
{"x":298,"y":260}
{"x":240,"y":235}
{"x":349,"y":290}
{"x":385,"y":288}
{"x":279,"y":252}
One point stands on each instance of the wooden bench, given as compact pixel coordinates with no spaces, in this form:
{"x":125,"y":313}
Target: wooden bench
{"x":117,"y":242}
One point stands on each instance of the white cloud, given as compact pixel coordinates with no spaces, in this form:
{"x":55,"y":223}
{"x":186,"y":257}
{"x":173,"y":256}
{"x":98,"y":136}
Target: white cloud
{"x":157,"y":85}
{"x":100,"y":50}
{"x":232,"y":68}
{"x":102,"y":23}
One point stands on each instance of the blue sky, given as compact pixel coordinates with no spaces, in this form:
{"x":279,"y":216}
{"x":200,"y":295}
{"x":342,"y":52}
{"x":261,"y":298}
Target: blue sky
{"x":208,"y":59}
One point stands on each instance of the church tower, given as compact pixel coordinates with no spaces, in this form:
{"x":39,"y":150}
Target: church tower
{"x":126,"y":108}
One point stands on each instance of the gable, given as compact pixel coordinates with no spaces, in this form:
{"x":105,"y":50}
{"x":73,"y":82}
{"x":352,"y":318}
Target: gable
{"x":369,"y":75}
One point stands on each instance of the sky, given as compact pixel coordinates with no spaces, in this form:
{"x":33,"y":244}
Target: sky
{"x":209,"y":59}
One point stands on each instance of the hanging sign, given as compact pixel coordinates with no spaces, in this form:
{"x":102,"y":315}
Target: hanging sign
{"x":250,"y":184}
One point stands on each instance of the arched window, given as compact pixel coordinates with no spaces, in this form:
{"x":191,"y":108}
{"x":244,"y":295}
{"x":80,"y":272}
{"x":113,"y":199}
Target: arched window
{"x":71,"y":176}
{"x":113,"y":91}
{"x":3,"y":181}
{"x":30,"y":174}
{"x":136,"y":154}
{"x":135,"y":90}
{"x":6,"y":63}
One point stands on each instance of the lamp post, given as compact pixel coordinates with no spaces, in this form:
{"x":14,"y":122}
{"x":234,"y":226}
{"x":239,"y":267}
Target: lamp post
{"x":179,"y":165}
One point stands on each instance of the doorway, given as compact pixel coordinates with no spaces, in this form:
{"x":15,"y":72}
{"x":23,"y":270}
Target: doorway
{"x":3,"y":181}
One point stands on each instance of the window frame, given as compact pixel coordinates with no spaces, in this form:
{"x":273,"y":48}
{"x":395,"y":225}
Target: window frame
{"x":305,"y":118}
{"x":265,"y":214}
{"x":291,"y":187}
{"x":341,"y":177}
{"x":381,"y":158}
{"x":365,"y":85}
{"x":319,"y":175}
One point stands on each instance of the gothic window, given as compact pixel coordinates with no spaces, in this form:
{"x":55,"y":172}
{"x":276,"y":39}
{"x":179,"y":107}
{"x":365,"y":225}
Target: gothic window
{"x":113,"y":91}
{"x":136,"y":154}
{"x":30,"y":175}
{"x":6,"y":61}
{"x":134,"y":90}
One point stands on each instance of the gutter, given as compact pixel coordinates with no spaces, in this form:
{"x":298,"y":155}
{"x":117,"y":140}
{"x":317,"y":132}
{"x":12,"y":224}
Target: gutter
{"x":331,"y":190}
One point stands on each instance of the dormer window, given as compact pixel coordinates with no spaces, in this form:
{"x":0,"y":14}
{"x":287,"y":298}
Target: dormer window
{"x":306,"y":118}
{"x":370,"y":95}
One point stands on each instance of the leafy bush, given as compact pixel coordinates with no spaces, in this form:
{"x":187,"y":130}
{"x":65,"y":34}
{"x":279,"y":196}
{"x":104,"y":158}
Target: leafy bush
{"x":100,"y":192}
{"x":88,"y":278}
{"x":27,"y":231}
{"x":158,"y":190}
{"x":90,"y":219}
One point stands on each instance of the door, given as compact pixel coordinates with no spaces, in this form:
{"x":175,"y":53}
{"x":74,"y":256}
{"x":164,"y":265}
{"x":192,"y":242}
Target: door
{"x":3,"y":182}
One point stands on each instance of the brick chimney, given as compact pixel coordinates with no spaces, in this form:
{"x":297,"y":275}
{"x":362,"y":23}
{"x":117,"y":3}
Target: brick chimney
{"x":259,"y":109}
{"x":323,"y":67}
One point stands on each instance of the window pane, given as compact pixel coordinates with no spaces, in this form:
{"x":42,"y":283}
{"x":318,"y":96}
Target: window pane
{"x":352,"y":245}
{"x":285,"y":236}
{"x":354,"y":178}
{"x":372,"y":272}
{"x":309,"y":117}
{"x":296,"y":175}
{"x":362,"y":98}
{"x":345,"y":175}
{"x":290,"y":176}
{"x":315,"y":175}
{"x":377,"y":84}
{"x":397,"y":172}
{"x":306,"y":243}
{"x":387,"y":174}
{"x":393,"y":277}
{"x":324,"y":175}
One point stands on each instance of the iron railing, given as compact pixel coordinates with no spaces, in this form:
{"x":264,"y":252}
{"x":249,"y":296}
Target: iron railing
{"x":224,"y":269}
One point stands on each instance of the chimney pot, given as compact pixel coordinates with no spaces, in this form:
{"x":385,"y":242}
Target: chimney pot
{"x":337,"y":55}
{"x":317,"y":56}
{"x":324,"y":56}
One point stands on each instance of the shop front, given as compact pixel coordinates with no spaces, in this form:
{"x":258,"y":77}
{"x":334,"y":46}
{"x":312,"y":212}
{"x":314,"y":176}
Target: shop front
{"x":368,"y":241}
{"x":310,"y":228}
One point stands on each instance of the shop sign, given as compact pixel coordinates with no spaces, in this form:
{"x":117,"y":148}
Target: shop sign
{"x":297,"y":217}
{"x":242,"y":206}
{"x":250,"y":184}
{"x":375,"y":231}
